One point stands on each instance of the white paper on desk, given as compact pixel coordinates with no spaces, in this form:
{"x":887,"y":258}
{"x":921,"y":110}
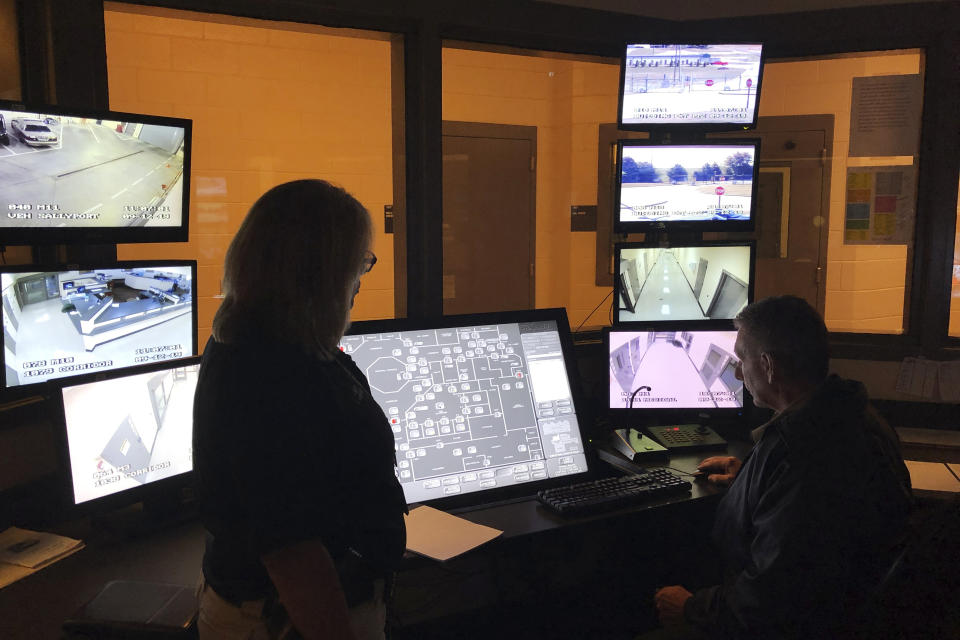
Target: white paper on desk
{"x":918,"y":377}
{"x":441,"y":536}
{"x":34,"y":549}
{"x":932,"y":476}
{"x":950,"y":381}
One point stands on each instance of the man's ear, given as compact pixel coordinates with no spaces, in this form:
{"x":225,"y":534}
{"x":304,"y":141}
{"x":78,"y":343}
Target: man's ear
{"x":766,"y":366}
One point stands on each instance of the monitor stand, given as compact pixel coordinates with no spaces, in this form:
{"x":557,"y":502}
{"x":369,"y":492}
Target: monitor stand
{"x":687,"y":437}
{"x":143,"y":518}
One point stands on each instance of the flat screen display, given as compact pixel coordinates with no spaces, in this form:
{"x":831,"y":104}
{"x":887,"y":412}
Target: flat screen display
{"x":474,"y":406}
{"x":689,"y":282}
{"x":703,"y":186}
{"x":705,"y":85}
{"x":65,"y":322}
{"x":669,"y":370}
{"x":96,"y":176}
{"x":127,"y":432}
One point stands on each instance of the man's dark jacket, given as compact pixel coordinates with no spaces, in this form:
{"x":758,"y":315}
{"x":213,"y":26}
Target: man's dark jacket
{"x":807,"y":527}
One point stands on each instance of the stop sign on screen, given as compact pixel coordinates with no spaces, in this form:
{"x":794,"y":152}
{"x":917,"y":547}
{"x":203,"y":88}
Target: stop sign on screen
{"x":709,"y":83}
{"x":720,"y":191}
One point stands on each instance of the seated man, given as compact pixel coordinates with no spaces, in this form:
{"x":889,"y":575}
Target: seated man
{"x":806,"y":527}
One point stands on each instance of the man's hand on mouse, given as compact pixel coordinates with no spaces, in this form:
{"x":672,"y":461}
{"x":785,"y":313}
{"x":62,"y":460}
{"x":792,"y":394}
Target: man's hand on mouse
{"x":720,"y":469}
{"x":669,"y":602}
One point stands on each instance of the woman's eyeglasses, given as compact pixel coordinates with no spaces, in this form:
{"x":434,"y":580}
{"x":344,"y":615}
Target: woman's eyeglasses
{"x":369,"y":260}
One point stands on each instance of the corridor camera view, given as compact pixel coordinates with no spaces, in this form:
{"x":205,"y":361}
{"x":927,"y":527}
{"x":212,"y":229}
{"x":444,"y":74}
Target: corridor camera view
{"x":66,"y":171}
{"x":674,"y":370}
{"x":64,"y":323}
{"x":129,"y":431}
{"x":473,"y":408}
{"x":682,"y":283}
{"x":690,"y":84}
{"x":682,"y":183}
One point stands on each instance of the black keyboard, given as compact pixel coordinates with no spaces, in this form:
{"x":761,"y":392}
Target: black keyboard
{"x":607,"y":494}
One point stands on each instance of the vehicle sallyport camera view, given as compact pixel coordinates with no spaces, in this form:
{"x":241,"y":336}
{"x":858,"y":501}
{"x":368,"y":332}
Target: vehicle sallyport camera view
{"x":704,"y":84}
{"x":693,"y":369}
{"x":473,"y":408}
{"x":685,"y":183}
{"x":66,"y":323}
{"x":126,"y":432}
{"x":64,"y":171}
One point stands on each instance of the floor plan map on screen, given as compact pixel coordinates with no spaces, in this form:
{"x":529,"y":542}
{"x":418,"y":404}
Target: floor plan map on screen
{"x":472,"y":408}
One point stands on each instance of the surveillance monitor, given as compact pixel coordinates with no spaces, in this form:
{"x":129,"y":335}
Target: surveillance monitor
{"x":76,"y":175}
{"x":702,"y":86}
{"x":66,"y":321}
{"x":690,"y":281}
{"x":661,"y":372}
{"x":709,"y":186}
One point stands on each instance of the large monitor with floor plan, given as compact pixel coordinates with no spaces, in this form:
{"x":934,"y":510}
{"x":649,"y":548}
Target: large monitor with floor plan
{"x":482,"y":407}
{"x":128,"y":433}
{"x":66,"y":321}
{"x":102,"y":177}
{"x":663,"y":372}
{"x":689,"y":281}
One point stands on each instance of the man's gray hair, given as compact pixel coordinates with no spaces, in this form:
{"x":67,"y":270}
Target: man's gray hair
{"x":792,"y":332}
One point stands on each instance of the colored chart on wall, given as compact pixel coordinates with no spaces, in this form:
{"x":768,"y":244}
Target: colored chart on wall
{"x":880,"y":205}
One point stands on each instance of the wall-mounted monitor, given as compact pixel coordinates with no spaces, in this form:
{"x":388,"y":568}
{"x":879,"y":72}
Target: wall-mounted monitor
{"x":692,"y":281}
{"x":128,"y":434}
{"x":704,"y":86}
{"x":75,"y":175}
{"x":483,"y":407}
{"x":664,"y":372}
{"x":709,"y":186}
{"x":71,"y":320}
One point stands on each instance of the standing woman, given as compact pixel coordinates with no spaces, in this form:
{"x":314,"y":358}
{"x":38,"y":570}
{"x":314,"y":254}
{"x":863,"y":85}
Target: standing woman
{"x":294,"y":460}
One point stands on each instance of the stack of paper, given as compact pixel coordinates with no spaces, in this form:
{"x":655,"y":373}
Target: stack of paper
{"x":441,"y":536}
{"x":23,"y":552}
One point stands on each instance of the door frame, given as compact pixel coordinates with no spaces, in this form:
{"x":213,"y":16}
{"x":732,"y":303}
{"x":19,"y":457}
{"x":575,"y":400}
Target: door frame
{"x":508,"y":132}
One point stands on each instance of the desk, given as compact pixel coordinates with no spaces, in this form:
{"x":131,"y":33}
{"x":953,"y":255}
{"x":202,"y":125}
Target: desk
{"x":547,"y":549}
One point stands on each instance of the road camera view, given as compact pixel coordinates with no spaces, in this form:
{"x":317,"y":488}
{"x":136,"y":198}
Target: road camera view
{"x":126,"y":432}
{"x":684,"y":183}
{"x":674,"y":370}
{"x":690,"y":84}
{"x":473,"y":408}
{"x":682,"y":283}
{"x":65,"y":323}
{"x":64,"y":171}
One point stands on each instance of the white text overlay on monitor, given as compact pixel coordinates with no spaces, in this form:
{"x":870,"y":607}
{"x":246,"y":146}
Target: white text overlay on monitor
{"x":473,"y":408}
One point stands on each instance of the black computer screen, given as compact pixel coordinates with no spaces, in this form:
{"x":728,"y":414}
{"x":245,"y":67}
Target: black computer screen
{"x":478,"y":404}
{"x":129,"y":430}
{"x":673,"y":369}
{"x":713,"y":86}
{"x":62,"y":321}
{"x":74,"y":175}
{"x":709,"y":186}
{"x":689,"y":281}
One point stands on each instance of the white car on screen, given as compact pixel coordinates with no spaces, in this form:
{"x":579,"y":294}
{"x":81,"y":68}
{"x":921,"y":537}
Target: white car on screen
{"x":33,"y":132}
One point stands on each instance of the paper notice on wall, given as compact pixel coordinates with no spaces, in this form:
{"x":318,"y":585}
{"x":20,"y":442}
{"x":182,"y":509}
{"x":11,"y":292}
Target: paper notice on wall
{"x":918,"y":377}
{"x":950,"y":381}
{"x":880,"y":205}
{"x":885,"y":115}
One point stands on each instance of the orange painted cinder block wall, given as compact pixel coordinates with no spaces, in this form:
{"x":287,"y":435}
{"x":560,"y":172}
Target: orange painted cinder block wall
{"x":270,"y":102}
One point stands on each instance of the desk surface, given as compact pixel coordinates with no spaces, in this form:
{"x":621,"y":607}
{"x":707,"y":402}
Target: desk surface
{"x":36,"y":606}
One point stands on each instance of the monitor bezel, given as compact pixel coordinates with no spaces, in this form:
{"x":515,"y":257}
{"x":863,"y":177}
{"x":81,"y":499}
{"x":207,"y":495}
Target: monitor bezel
{"x":620,"y":246}
{"x":624,"y":417}
{"x":700,"y":127}
{"x":45,"y":387}
{"x":526,"y":490}
{"x":686,"y":226}
{"x":164,"y":491}
{"x":39,"y":236}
